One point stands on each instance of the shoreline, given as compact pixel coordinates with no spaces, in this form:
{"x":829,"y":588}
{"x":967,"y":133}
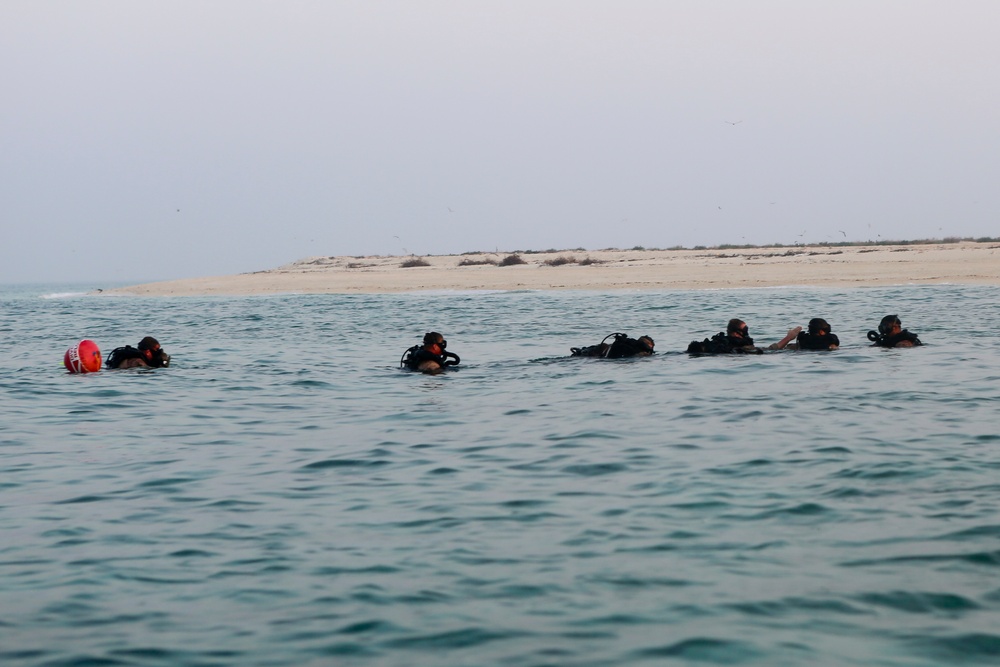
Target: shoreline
{"x":609,"y":270}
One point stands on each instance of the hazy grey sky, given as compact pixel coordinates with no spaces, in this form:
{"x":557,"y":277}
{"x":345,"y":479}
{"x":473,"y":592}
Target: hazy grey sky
{"x":154,"y":140}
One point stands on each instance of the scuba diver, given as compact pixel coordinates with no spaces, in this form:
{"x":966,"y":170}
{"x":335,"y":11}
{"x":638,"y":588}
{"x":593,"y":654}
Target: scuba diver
{"x":622,"y":346}
{"x":817,"y":338}
{"x":147,"y":353}
{"x":735,"y":340}
{"x":892,"y":334}
{"x":429,"y":357}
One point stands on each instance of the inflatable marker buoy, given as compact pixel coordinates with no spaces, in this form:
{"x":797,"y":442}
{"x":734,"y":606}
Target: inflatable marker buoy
{"x":84,"y":357}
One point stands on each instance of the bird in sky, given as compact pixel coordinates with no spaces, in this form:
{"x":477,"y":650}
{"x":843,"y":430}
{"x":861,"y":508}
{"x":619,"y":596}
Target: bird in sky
{"x":843,"y":232}
{"x":734,"y":122}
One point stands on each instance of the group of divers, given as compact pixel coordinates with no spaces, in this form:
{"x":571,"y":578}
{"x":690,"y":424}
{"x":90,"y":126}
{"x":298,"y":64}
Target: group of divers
{"x":433,"y":357}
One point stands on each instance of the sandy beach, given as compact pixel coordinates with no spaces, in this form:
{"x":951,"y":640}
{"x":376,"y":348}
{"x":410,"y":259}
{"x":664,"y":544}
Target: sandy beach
{"x":833,"y":266}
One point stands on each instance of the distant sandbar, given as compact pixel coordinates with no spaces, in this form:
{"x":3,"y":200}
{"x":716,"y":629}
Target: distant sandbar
{"x":603,"y":270}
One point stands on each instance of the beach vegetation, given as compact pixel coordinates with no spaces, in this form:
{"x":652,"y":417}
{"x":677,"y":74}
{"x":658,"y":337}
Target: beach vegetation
{"x":358,"y":265}
{"x":587,"y":261}
{"x":561,"y":260}
{"x":414,"y":261}
{"x":468,"y":261}
{"x":511,"y":260}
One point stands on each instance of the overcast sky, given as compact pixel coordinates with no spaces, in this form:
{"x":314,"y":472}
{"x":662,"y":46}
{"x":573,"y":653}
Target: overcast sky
{"x":156,"y":140}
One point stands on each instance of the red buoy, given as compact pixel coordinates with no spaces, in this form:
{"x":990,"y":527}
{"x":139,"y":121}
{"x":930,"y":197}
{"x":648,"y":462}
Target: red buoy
{"x":84,"y":357}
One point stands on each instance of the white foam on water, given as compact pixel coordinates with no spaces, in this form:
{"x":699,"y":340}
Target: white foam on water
{"x":63,"y":295}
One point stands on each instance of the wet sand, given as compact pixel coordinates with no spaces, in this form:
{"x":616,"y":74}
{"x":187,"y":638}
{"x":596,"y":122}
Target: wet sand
{"x":847,"y":266}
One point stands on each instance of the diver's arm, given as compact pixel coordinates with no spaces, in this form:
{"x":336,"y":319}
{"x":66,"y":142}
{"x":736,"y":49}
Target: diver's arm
{"x":780,"y":345}
{"x":445,"y":362}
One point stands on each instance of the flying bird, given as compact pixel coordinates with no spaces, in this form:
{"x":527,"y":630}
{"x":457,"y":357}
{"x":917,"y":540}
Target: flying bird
{"x":734,"y":123}
{"x":843,"y":232}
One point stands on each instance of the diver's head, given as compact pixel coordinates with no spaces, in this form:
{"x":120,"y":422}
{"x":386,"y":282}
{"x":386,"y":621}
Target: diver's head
{"x":154,"y":354}
{"x":889,"y":325}
{"x":738,"y":327}
{"x":433,"y":338}
{"x":818,"y":326}
{"x":647,"y":341}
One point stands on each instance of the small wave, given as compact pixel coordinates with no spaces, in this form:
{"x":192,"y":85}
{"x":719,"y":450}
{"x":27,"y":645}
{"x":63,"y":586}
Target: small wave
{"x":917,"y":602}
{"x":703,"y":649}
{"x":977,"y":558}
{"x":464,"y":638}
{"x":342,"y":463}
{"x":595,"y":469}
{"x":971,"y":646}
{"x":792,"y":606}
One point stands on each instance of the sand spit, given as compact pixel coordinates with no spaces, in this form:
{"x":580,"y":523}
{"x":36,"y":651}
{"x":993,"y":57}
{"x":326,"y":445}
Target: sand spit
{"x":832,"y":266}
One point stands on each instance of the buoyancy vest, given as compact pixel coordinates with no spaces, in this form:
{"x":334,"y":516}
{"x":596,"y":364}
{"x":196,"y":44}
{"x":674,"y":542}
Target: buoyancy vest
{"x":894,"y":340}
{"x":120,"y":354}
{"x":622,"y":346}
{"x":418,"y":354}
{"x":722,"y":343}
{"x":628,"y":347}
{"x":808,"y":341}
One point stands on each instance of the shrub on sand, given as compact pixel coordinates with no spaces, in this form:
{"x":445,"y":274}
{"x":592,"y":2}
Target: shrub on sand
{"x":511,"y":260}
{"x":416,"y":261}
{"x":559,"y":261}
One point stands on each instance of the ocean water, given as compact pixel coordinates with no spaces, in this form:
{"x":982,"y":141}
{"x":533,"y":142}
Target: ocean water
{"x":284,"y":495}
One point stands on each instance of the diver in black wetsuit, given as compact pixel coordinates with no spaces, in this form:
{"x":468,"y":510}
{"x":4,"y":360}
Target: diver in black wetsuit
{"x":147,"y":353}
{"x":892,"y":334}
{"x":431,"y":356}
{"x":818,"y":337}
{"x":735,"y":340}
{"x":622,"y":346}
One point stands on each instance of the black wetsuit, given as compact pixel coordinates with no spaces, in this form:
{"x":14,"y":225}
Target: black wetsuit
{"x":722,"y":343}
{"x":621,"y":347}
{"x":418,"y":354}
{"x":158,"y":358}
{"x":808,"y":341}
{"x":896,"y":339}
{"x":122,"y":354}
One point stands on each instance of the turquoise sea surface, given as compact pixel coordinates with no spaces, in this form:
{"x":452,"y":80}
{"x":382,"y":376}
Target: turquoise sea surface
{"x":283,"y":494}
